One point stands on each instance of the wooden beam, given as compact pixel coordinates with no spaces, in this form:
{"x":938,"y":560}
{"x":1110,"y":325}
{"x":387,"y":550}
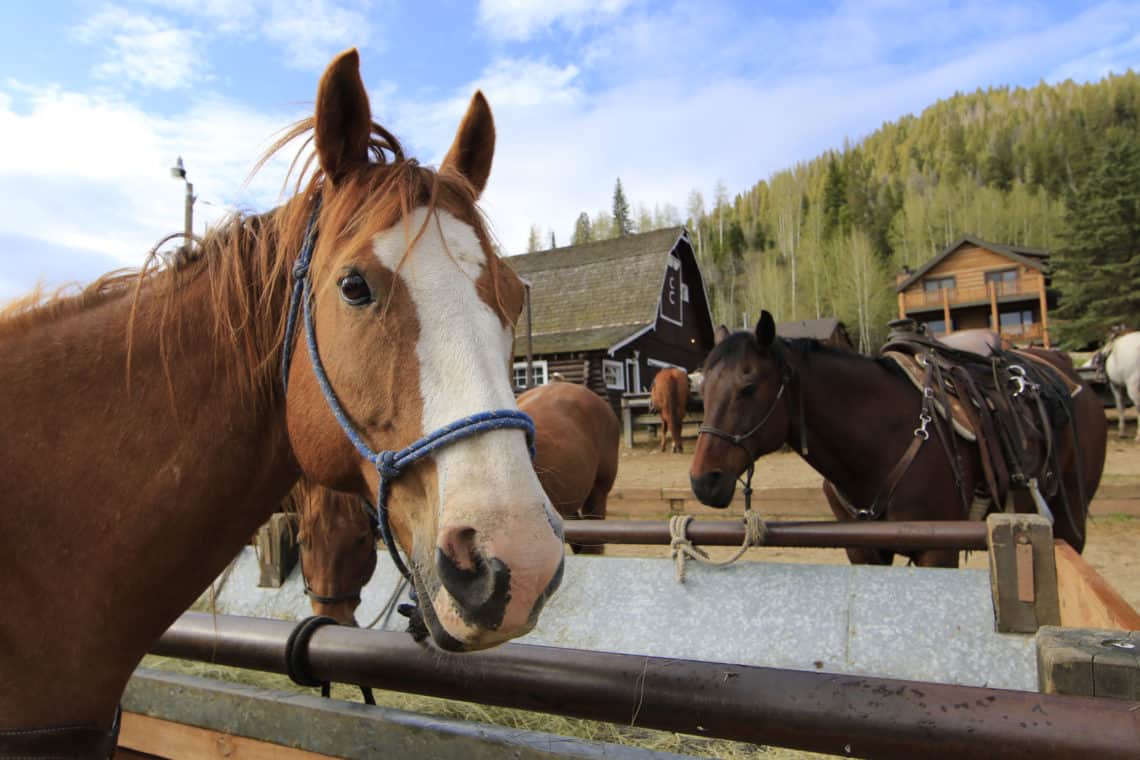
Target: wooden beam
{"x":946,"y":309}
{"x":902,"y":305}
{"x":1044,"y":312}
{"x":1023,"y":573}
{"x":1087,"y":600}
{"x":163,"y":738}
{"x":995,"y":320}
{"x":1089,"y":662}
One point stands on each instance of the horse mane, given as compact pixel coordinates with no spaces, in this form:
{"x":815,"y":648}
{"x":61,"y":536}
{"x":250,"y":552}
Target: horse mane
{"x":742,"y":342}
{"x":245,"y":262}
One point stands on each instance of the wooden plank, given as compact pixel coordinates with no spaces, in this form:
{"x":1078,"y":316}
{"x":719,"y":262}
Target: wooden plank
{"x":1086,"y":598}
{"x":166,"y":739}
{"x":1015,"y":609}
{"x":1089,"y":662}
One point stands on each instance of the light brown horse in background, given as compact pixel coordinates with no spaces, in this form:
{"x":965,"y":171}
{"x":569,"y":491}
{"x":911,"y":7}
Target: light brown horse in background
{"x":147,"y":433}
{"x":337,"y":538}
{"x":576,"y":449}
{"x":669,"y":395}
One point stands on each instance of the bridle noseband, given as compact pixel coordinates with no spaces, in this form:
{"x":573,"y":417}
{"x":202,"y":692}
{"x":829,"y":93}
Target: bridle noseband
{"x":389,"y":464}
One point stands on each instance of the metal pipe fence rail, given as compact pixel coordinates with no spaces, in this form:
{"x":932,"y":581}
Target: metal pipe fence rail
{"x":845,"y":715}
{"x":902,"y":536}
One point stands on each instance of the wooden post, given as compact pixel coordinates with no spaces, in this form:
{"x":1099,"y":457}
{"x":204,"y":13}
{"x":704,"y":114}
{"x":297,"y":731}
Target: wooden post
{"x":1044,"y":313}
{"x":995,"y":320}
{"x":627,"y":423}
{"x":946,"y":309}
{"x":902,"y":305}
{"x":1089,"y":662}
{"x":1023,"y":573}
{"x":276,"y":550}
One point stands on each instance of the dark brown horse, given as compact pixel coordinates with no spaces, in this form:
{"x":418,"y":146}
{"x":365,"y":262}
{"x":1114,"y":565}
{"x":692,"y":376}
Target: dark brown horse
{"x":147,"y":432}
{"x":337,"y":538}
{"x":858,"y":418}
{"x":669,"y":395}
{"x":576,"y":449}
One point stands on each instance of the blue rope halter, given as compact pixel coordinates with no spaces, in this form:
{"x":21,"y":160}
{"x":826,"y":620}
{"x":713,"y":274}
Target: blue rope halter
{"x":389,"y":464}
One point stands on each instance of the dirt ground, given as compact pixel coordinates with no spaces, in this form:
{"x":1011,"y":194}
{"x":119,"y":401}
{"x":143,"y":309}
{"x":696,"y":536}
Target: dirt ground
{"x":1113,"y":545}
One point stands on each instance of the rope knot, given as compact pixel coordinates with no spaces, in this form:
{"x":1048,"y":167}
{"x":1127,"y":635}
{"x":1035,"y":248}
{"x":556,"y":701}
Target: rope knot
{"x":386,"y":465}
{"x":300,"y":269}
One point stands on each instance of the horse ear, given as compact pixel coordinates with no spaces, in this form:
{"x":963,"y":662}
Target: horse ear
{"x":721,"y":334}
{"x":765,"y":329}
{"x":343,"y":120}
{"x":474,"y":145}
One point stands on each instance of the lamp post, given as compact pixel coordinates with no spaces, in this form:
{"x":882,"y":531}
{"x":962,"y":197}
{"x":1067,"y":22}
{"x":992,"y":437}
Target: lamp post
{"x":178,"y":171}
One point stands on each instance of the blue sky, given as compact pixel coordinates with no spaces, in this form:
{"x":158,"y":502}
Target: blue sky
{"x":98,"y":98}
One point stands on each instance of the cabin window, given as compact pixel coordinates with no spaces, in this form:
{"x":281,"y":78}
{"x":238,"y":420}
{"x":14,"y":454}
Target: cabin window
{"x":1016,"y":322}
{"x":1004,"y":281}
{"x":613,"y":373}
{"x":938,"y":326}
{"x":538,"y":374}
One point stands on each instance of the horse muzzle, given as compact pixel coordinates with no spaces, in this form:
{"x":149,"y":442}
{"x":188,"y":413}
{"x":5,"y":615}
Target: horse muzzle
{"x":713,"y":488}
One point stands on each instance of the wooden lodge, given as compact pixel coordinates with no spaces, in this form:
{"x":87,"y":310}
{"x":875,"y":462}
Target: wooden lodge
{"x":610,"y":314}
{"x":976,"y":284}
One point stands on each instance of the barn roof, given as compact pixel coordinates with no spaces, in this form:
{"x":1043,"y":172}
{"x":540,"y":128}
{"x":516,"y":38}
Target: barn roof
{"x":1030,"y":257}
{"x":590,"y":297}
{"x":817,"y":329}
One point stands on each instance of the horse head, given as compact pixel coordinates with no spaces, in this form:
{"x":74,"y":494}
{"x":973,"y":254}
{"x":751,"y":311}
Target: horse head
{"x":337,"y":541}
{"x":745,"y":379}
{"x":409,"y":324}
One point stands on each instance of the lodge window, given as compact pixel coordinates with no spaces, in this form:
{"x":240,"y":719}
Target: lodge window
{"x":613,"y":373}
{"x":938,"y":326}
{"x":1004,"y":281}
{"x":538,"y":374}
{"x":934,"y":286}
{"x":1016,"y":322}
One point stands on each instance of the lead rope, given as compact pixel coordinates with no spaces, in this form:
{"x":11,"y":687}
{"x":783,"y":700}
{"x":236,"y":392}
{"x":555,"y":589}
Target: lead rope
{"x":682,"y":547}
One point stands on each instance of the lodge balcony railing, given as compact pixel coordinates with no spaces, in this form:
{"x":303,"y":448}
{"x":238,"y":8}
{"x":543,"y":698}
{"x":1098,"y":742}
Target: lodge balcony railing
{"x":925,"y":299}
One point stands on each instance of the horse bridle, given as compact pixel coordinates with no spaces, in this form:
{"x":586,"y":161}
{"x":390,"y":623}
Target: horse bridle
{"x":389,"y":464}
{"x":738,"y":439}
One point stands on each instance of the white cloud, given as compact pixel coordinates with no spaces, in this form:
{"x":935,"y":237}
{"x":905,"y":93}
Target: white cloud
{"x":91,"y":173}
{"x":311,"y":31}
{"x":523,"y":19}
{"x":143,"y":50}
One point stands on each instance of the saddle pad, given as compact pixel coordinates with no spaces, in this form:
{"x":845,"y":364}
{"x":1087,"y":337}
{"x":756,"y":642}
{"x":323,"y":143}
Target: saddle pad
{"x":959,"y":419}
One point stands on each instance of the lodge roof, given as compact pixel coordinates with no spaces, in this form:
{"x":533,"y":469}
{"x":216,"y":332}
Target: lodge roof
{"x":1030,"y":257}
{"x":593,"y":296}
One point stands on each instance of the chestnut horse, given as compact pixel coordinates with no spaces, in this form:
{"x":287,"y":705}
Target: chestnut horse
{"x":669,"y":395}
{"x":577,"y":436}
{"x":859,"y":416}
{"x":337,"y":539}
{"x":148,"y":431}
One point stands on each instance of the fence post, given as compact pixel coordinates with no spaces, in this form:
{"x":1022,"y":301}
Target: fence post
{"x":276,"y":550}
{"x":1023,"y":572}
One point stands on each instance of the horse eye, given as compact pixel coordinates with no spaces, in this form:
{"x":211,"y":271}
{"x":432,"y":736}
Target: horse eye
{"x":748,"y":390}
{"x":354,"y":289}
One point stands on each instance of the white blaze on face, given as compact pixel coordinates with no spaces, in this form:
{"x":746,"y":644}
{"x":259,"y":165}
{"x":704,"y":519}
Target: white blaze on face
{"x":487,"y":481}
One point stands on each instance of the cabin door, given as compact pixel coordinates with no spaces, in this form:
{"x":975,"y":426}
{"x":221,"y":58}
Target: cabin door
{"x":632,"y":376}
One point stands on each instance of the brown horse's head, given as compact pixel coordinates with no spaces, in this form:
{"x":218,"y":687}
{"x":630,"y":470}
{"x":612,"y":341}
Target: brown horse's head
{"x":744,"y":391}
{"x":338,"y":550}
{"x":414,"y":319}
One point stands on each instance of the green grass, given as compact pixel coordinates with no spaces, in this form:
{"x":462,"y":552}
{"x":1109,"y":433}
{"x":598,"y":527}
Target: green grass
{"x":660,"y":741}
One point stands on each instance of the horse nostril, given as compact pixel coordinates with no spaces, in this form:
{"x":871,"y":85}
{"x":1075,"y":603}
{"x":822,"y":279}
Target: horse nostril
{"x":713,"y":489}
{"x":479,"y":585}
{"x":458,"y":543}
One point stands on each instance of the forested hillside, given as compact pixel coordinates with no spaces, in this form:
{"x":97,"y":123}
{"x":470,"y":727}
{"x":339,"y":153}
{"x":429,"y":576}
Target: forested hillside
{"x":827,"y":237}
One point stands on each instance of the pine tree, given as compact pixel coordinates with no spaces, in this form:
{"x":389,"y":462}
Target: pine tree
{"x":623,"y":225}
{"x":583,"y":231}
{"x":534,"y":240}
{"x":1097,"y":270}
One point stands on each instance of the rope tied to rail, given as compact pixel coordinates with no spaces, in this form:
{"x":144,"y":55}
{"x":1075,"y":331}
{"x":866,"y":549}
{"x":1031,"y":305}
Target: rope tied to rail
{"x":682,"y":547}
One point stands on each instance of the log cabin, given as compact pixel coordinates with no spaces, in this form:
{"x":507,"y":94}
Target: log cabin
{"x":610,"y":314}
{"x":973,"y":283}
